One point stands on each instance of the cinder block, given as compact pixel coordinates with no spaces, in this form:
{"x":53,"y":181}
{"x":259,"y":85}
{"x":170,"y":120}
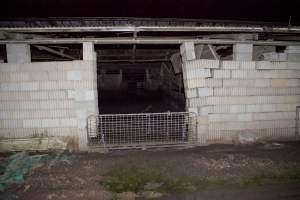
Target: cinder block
{"x":284,"y":82}
{"x":197,"y":73}
{"x":201,"y":82}
{"x":204,"y":110}
{"x":271,"y":65}
{"x":242,"y":52}
{"x":29,"y":86}
{"x":9,"y":67}
{"x":88,"y":51}
{"x":202,"y":64}
{"x":50,"y":123}
{"x":238,"y":83}
{"x":204,"y":92}
{"x":281,"y":74}
{"x":57,"y":94}
{"x":222,"y":74}
{"x":202,"y":120}
{"x":277,"y":99}
{"x":260,"y":108}
{"x":231,"y":100}
{"x":67,"y":85}
{"x":73,"y":75}
{"x":25,"y":86}
{"x":18,"y":53}
{"x":13,"y":77}
{"x":49,"y":85}
{"x":222,"y":117}
{"x":38,"y":67}
{"x":237,"y":108}
{"x":262,"y":82}
{"x":57,"y":76}
{"x":187,"y":50}
{"x":32,"y":123}
{"x":10,"y":87}
{"x":229,"y":64}
{"x":246,"y":74}
{"x":245,"y":117}
{"x":197,"y":102}
{"x":81,"y":95}
{"x":39,"y":95}
{"x":191,"y":93}
{"x":274,"y":116}
{"x":39,"y":76}
{"x":68,"y":122}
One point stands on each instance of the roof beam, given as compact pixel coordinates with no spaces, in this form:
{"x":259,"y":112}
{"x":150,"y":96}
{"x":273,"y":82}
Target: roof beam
{"x":152,"y":40}
{"x":202,"y":28}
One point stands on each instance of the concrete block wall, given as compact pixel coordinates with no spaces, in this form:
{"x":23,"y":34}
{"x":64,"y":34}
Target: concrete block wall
{"x":46,"y":104}
{"x":237,"y":97}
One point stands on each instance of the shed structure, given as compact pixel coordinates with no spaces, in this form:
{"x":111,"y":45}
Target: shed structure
{"x":81,"y":84}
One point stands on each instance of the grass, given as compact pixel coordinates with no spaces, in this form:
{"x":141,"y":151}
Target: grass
{"x":135,"y":179}
{"x":271,"y":178}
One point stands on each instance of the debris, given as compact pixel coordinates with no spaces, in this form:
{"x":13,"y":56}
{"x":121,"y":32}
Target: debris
{"x":273,"y":145}
{"x":14,"y":168}
{"x":126,"y":196}
{"x":247,"y":138}
{"x":152,"y":186}
{"x":26,"y":188}
{"x":151,"y":194}
{"x":61,"y":157}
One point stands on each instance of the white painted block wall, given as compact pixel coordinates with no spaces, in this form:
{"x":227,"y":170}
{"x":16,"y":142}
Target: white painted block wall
{"x":242,"y":96}
{"x":48,"y":100}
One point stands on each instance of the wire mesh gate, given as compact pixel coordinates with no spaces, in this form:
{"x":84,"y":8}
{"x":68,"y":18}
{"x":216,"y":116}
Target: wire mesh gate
{"x":141,"y":130}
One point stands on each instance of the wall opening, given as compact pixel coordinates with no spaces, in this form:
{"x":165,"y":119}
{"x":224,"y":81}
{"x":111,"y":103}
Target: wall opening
{"x":138,"y":79}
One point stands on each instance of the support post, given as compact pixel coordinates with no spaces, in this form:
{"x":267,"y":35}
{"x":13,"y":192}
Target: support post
{"x":18,"y":53}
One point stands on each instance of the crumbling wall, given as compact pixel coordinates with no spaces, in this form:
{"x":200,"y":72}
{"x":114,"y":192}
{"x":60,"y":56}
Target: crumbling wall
{"x":236,"y":98}
{"x":44,"y":105}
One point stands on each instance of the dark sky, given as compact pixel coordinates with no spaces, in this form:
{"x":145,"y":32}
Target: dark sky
{"x":253,"y":10}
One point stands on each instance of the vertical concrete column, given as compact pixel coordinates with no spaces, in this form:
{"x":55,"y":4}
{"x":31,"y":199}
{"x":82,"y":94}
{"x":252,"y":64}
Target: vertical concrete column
{"x":187,"y":50}
{"x":242,"y":52}
{"x":88,"y":51}
{"x":192,"y":73}
{"x":18,"y":53}
{"x":86,"y":100}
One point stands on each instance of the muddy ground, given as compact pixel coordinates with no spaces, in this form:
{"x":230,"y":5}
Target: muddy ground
{"x":260,"y":171}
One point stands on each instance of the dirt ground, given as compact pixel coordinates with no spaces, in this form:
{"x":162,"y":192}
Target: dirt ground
{"x":225,"y":171}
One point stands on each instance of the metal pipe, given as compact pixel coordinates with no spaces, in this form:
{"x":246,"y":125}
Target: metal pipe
{"x":152,"y":40}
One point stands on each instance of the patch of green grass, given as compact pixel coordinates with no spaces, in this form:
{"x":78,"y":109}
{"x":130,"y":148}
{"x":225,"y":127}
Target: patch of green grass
{"x":267,"y":177}
{"x":134,"y":180}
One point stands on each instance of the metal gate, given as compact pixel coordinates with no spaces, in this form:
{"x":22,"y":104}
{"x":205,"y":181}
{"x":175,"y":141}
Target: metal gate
{"x":142,"y":130}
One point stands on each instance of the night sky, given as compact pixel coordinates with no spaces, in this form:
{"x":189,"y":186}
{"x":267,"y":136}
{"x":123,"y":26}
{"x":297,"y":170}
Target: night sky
{"x":252,"y":10}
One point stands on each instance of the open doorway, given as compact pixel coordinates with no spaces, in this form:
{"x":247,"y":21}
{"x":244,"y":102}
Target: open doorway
{"x":139,"y":79}
{"x":141,"y":98}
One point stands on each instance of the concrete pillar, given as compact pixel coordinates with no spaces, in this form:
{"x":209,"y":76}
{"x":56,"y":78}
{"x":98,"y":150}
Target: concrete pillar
{"x":242,"y":52}
{"x":18,"y":53}
{"x":88,"y":51}
{"x":187,"y":50}
{"x":293,"y":53}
